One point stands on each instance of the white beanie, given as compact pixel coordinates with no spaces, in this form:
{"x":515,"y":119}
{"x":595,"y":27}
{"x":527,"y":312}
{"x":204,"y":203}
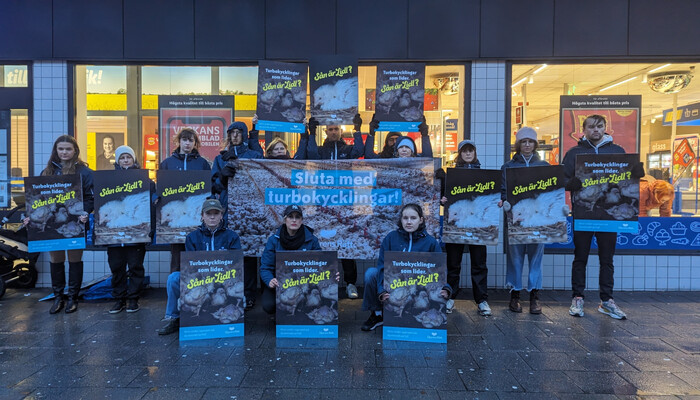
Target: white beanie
{"x":526,"y":133}
{"x":124,"y":150}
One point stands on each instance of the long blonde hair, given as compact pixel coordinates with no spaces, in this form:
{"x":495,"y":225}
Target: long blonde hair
{"x":55,"y":161}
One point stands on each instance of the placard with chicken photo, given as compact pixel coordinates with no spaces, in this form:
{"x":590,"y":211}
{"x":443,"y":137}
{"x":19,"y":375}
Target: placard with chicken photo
{"x":211,"y":294}
{"x":334,"y":90}
{"x":179,"y":205}
{"x":54,"y":206}
{"x":281,"y":105}
{"x":537,"y":202}
{"x":307,"y":298}
{"x":400,"y":96}
{"x":609,"y":198}
{"x":471,"y":213}
{"x":122,"y":207}
{"x":415,"y":310}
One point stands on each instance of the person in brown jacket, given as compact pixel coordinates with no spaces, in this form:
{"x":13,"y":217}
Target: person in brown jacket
{"x":655,"y":193}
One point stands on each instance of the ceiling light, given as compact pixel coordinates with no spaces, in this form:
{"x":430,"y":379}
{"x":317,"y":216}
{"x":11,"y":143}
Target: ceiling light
{"x":530,"y":81}
{"x":540,"y":69}
{"x":658,"y":68}
{"x":618,"y":83}
{"x":653,"y":120}
{"x":518,"y":82}
{"x":658,"y":116}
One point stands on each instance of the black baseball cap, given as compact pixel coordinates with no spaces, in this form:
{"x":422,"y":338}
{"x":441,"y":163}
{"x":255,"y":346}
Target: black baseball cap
{"x":292,"y":209}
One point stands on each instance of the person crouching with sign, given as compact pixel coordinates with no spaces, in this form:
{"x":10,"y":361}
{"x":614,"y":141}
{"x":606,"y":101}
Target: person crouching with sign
{"x":411,"y":236}
{"x":211,"y":236}
{"x":292,"y":235}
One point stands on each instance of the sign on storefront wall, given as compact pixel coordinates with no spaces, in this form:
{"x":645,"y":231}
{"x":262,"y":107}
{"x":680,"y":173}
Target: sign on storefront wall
{"x":688,"y":115}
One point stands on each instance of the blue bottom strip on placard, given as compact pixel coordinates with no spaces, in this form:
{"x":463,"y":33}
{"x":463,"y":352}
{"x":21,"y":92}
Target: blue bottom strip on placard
{"x":395,"y":126}
{"x":56,"y":245}
{"x":415,"y":334}
{"x":211,"y":331}
{"x":307,"y":331}
{"x":598,"y":225}
{"x":277,"y":126}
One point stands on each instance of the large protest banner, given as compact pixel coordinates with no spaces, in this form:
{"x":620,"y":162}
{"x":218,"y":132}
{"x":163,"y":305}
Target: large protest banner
{"x":209,"y":116}
{"x":122,"y":207}
{"x":54,"y":204}
{"x":351,"y":204}
{"x":472,"y":212}
{"x":307,"y":298}
{"x":609,"y":199}
{"x":538,"y":205}
{"x":400,"y":96}
{"x":281,"y":103}
{"x":334,"y":93}
{"x":211,"y":294}
{"x":415,"y":311}
{"x":180,"y":198}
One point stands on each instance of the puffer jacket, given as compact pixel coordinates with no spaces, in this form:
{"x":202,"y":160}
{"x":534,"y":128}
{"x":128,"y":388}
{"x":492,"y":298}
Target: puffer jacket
{"x":203,"y":239}
{"x":518,"y":161}
{"x":185,"y":162}
{"x":332,"y":150}
{"x":87,"y":182}
{"x":267,"y":262}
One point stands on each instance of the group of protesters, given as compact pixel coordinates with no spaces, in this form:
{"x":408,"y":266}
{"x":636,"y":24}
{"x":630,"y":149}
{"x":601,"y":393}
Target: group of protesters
{"x":127,"y":260}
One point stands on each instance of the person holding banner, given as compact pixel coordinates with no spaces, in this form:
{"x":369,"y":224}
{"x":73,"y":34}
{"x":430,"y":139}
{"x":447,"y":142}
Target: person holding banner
{"x":411,"y":235}
{"x":212,"y":235}
{"x":277,"y":150}
{"x":389,"y":142}
{"x":595,"y":141}
{"x":466,"y":158}
{"x":406,"y":147}
{"x":64,"y":160}
{"x":292,"y":235}
{"x":525,"y":156}
{"x":122,"y":256}
{"x":333,"y":148}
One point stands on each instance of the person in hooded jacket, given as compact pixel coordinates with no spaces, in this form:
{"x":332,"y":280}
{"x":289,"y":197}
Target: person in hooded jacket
{"x":466,"y":158}
{"x":595,"y":141}
{"x":389,"y":141}
{"x":405,"y":146}
{"x":122,"y":255}
{"x":411,"y":235}
{"x":525,"y":156}
{"x":212,"y":235}
{"x":291,"y":235}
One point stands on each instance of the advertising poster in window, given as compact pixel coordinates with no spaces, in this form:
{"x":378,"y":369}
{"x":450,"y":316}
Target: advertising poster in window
{"x":179,"y":208}
{"x":472,"y":215}
{"x":307,"y":298}
{"x":281,"y":96}
{"x":101,"y":147}
{"x":211,"y":294}
{"x":209,"y":116}
{"x":609,"y":199}
{"x":622,"y":114}
{"x":5,"y":127}
{"x":334,"y":93}
{"x":122,"y":207}
{"x":54,"y":204}
{"x":538,"y":207}
{"x":400,"y":96}
{"x":415,"y":310}
{"x":351,"y":204}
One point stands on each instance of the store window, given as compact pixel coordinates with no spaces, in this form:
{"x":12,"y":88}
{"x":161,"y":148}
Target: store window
{"x":643,"y":122}
{"x":13,"y":76}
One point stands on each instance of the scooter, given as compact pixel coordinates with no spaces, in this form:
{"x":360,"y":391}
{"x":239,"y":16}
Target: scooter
{"x":17,"y":265}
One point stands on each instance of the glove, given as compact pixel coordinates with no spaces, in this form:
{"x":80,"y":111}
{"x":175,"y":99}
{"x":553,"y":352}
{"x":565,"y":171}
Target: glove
{"x":373,"y":125}
{"x":357,"y":122}
{"x":565,"y":210}
{"x":423,"y":127}
{"x":506,"y":206}
{"x":574,"y":185}
{"x":313,"y":124}
{"x":229,"y":171}
{"x":217,"y":188}
{"x":638,"y":170}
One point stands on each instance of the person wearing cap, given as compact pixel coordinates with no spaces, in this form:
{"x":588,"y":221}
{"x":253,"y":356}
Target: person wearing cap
{"x":594,"y":141}
{"x":121,"y":256}
{"x":389,"y":142}
{"x":292,"y":235}
{"x":525,"y":156}
{"x":212,"y":235}
{"x":466,"y":158}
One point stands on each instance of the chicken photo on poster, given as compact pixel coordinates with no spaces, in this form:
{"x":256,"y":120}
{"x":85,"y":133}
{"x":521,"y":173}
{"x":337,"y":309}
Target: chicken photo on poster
{"x":351,"y":220}
{"x":211,"y":293}
{"x":414,"y":281}
{"x":281,"y":105}
{"x":472,"y":215}
{"x":179,"y":205}
{"x":400,"y":96}
{"x":308,"y":291}
{"x":538,"y":207}
{"x":334,"y":89}
{"x":122,"y":207}
{"x":54,"y":206}
{"x":609,"y":192}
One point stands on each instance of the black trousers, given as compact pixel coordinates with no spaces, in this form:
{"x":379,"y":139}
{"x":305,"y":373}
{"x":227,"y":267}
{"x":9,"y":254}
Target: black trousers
{"x":175,"y":250}
{"x":606,"y":251}
{"x":119,"y":258}
{"x":479,"y":270}
{"x":349,"y":270}
{"x":250,"y":277}
{"x":269,"y":300}
{"x":75,"y":278}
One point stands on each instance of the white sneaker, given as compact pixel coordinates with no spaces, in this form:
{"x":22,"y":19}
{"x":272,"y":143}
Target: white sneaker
{"x":610,"y":308}
{"x":449,"y":306}
{"x":484,"y":309}
{"x":576,"y":308}
{"x":351,"y":290}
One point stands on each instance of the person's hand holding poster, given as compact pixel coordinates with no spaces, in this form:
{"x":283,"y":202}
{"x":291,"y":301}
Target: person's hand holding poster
{"x":281,"y":96}
{"x":472,"y":212}
{"x":334,"y":92}
{"x":400,"y":96}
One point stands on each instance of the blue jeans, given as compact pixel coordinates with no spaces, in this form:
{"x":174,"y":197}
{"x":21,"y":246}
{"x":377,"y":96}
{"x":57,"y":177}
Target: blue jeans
{"x":370,"y":299}
{"x":171,"y":308}
{"x":516,"y":261}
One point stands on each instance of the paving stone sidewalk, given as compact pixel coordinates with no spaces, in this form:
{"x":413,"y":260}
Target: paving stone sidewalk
{"x":92,"y":354}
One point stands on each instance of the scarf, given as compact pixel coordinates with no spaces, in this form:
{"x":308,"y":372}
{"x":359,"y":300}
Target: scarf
{"x":292,"y":242}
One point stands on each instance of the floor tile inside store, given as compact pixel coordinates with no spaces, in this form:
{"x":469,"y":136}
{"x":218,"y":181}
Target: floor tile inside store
{"x":92,"y":354}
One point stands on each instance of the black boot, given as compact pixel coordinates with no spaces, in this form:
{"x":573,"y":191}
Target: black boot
{"x":75,"y":280}
{"x":515,"y":301}
{"x":58,"y":283}
{"x":535,"y":307}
